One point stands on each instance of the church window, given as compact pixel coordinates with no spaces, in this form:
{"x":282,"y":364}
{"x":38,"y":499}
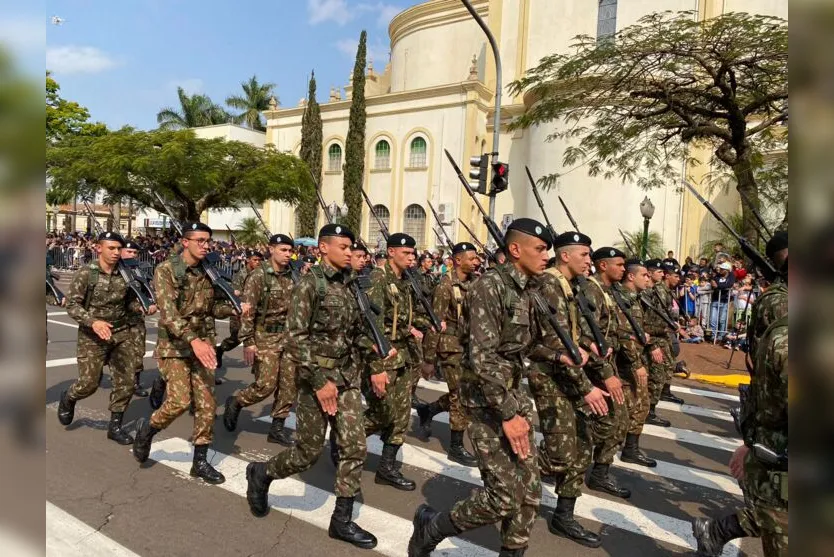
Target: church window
{"x":382,"y":155}
{"x":606,"y":19}
{"x":414,"y":223}
{"x":374,"y":235}
{"x":417,"y":156}
{"x":334,"y":158}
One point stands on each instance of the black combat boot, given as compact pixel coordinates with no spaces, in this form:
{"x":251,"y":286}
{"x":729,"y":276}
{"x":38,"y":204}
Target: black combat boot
{"x":342,"y":527}
{"x":280,"y":434}
{"x":425,"y":413}
{"x":257,"y":488}
{"x":218,"y":355}
{"x":115,"y":431}
{"x":334,"y":448}
{"x":666,"y":394}
{"x":416,"y":402}
{"x":157,"y":393}
{"x":387,"y":473}
{"x":512,"y":552}
{"x":654,"y":419}
{"x":200,"y":467}
{"x":601,"y":481}
{"x":458,"y":453}
{"x":144,"y":435}
{"x":66,"y":409}
{"x":231,"y":413}
{"x":138,"y":389}
{"x":712,"y":534}
{"x":563,"y":524}
{"x":430,"y":528}
{"x":632,"y":453}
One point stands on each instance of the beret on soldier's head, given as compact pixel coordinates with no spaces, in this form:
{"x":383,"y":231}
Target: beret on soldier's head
{"x":426,"y":255}
{"x":130,"y":244}
{"x":606,"y":253}
{"x":635,"y":262}
{"x":338,"y":230}
{"x":111,"y":237}
{"x":462,"y":247}
{"x":532,"y":227}
{"x":308,"y":259}
{"x":401,"y":240}
{"x":380,"y":255}
{"x":571,"y":238}
{"x":253,"y":253}
{"x":196,"y":227}
{"x":776,"y":244}
{"x":654,"y":264}
{"x":359,"y":246}
{"x":277,"y":239}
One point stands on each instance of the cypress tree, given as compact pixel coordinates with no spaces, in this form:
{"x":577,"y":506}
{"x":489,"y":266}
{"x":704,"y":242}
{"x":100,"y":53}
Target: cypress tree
{"x":311,"y":154}
{"x":355,"y":142}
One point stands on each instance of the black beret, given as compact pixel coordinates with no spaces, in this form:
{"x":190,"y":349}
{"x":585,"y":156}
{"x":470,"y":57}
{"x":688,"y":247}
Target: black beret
{"x":532,"y":227}
{"x":380,"y":255}
{"x":401,"y":240}
{"x":198,"y":226}
{"x":277,"y":239}
{"x":777,"y":243}
{"x":462,"y":247}
{"x":635,"y":262}
{"x":253,"y":253}
{"x":130,"y":244}
{"x":338,"y":230}
{"x":111,"y":237}
{"x":426,"y":255}
{"x":309,"y":258}
{"x":359,"y":246}
{"x":606,"y":252}
{"x":654,"y":264}
{"x":571,"y":238}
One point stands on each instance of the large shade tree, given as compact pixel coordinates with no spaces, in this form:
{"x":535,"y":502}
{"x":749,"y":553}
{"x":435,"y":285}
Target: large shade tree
{"x":252,"y":103}
{"x":191,"y":174}
{"x":631,"y":106}
{"x":194,"y":111}
{"x":65,"y":118}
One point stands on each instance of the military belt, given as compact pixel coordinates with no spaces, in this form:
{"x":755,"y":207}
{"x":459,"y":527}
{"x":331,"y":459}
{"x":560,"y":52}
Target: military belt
{"x":330,"y":363}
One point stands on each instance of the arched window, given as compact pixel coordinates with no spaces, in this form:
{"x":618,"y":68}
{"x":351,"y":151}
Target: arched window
{"x":374,"y":235}
{"x":417,"y":153}
{"x":606,"y":19}
{"x":414,"y":223}
{"x":382,"y":155}
{"x":334,"y":158}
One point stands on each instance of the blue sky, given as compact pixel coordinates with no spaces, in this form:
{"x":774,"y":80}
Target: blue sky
{"x":124,"y":59}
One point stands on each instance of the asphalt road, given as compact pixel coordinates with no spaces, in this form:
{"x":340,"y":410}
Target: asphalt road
{"x":100,"y":501}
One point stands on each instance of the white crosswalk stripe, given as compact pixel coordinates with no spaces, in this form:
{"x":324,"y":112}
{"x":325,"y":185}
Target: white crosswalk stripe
{"x":66,"y":536}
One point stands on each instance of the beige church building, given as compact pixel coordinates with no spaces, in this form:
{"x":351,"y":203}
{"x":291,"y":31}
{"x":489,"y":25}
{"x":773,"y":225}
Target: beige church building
{"x":436,"y":92}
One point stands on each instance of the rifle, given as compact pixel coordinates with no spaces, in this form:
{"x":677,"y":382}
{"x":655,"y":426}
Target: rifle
{"x":567,"y":212}
{"x":541,"y":205}
{"x":767,"y":269}
{"x":128,"y":269}
{"x":743,"y":320}
{"x":625,"y":307}
{"x":51,"y":287}
{"x":295,"y":273}
{"x":134,"y":266}
{"x":662,"y":314}
{"x":490,"y":255}
{"x":756,"y":214}
{"x":445,"y":237}
{"x":416,"y":289}
{"x":207,"y":263}
{"x":540,"y":304}
{"x":231,"y":236}
{"x":627,"y":243}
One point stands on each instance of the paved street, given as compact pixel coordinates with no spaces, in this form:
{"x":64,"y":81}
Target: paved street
{"x":101,"y":502}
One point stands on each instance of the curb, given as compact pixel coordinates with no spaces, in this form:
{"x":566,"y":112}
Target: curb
{"x":729,"y":380}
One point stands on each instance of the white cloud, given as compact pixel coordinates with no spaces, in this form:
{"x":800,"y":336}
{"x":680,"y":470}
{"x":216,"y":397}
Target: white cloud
{"x":328,"y":10}
{"x":78,"y":59}
{"x":23,"y":34}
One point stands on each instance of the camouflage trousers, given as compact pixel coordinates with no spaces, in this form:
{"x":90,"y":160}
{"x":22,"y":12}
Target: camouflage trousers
{"x":93,"y":354}
{"x":415,"y":357}
{"x":390,"y":415}
{"x":311,"y":427}
{"x":773,"y":525}
{"x":660,"y":374}
{"x":274,"y":373}
{"x":637,"y":404}
{"x":232,"y":341}
{"x":450,"y":402}
{"x":187,"y":380}
{"x":512,"y":487}
{"x":139,"y":335}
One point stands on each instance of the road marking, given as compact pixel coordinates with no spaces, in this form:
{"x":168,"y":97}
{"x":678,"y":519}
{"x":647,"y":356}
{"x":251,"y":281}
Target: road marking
{"x":66,"y":536}
{"x":308,"y":503}
{"x":72,"y":361}
{"x":74,"y":326}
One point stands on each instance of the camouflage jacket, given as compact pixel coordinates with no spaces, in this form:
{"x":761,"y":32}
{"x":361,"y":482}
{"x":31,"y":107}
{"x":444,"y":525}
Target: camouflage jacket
{"x":570,"y":380}
{"x":240,"y":279}
{"x":447,"y":303}
{"x":605,"y":312}
{"x":109,"y":299}
{"x":630,"y":352}
{"x":497,"y":330}
{"x":427,"y":284}
{"x":324,"y":327}
{"x":767,"y":309}
{"x":661,"y":298}
{"x":187,"y":306}
{"x":268,"y":292}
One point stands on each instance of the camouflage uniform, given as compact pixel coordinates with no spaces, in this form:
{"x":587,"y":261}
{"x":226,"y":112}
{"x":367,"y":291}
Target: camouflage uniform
{"x":630,"y":357}
{"x":416,"y":347}
{"x":659,"y":374}
{"x":233,"y":340}
{"x":109,"y":299}
{"x":268,"y":291}
{"x":322,"y":328}
{"x":138,"y":331}
{"x":497,"y":330}
{"x":187,"y":310}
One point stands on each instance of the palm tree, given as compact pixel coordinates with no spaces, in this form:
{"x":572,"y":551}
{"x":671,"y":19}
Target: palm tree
{"x":252,"y":103}
{"x":249,"y":232}
{"x":195,"y":110}
{"x":654,"y":245}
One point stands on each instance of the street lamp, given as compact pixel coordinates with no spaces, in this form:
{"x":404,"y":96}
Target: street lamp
{"x":647,"y":210}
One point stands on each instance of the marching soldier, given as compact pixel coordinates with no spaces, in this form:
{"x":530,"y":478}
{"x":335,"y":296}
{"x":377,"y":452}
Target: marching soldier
{"x":185,"y":350}
{"x":445,"y":347}
{"x":661,"y":364}
{"x":427,"y":282}
{"x":324,"y":329}
{"x":253,"y":261}
{"x":498,"y":329}
{"x":267,"y":292}
{"x":136,"y":319}
{"x":100,"y":300}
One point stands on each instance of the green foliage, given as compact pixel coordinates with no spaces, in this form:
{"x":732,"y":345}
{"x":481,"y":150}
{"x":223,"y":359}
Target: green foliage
{"x":195,"y":111}
{"x":311,"y":147}
{"x":193,"y":175}
{"x":252,"y":103}
{"x":723,"y":236}
{"x":654,"y":245}
{"x":249,"y":232}
{"x":629,"y":107}
{"x":355,"y":142}
{"x":67,"y":118}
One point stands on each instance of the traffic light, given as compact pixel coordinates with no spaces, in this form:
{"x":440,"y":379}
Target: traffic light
{"x":500,"y":177}
{"x":479,"y":172}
